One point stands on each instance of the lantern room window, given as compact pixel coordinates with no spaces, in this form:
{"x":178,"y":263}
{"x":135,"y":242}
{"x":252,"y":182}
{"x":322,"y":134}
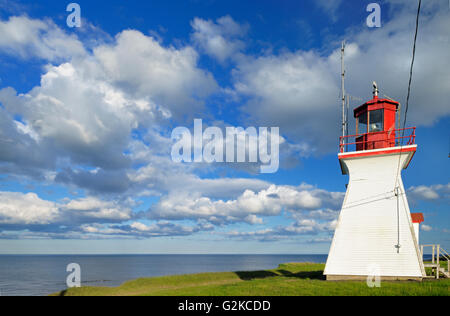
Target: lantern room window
{"x":371,"y":122}
{"x":376,"y":121}
{"x":362,"y":123}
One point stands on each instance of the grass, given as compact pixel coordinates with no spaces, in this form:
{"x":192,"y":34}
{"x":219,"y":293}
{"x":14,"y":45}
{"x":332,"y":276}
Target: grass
{"x":292,"y":279}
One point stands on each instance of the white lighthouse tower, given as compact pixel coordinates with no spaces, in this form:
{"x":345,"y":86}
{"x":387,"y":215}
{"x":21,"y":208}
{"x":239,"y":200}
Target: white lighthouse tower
{"x":375,"y":232}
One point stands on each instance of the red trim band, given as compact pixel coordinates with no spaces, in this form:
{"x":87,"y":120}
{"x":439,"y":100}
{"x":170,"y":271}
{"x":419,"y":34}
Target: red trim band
{"x":376,"y":153}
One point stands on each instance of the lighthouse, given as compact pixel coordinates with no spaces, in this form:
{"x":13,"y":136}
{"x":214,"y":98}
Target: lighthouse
{"x":375,"y":227}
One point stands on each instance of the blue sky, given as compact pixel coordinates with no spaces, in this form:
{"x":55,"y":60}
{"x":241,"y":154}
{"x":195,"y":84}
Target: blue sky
{"x":87,"y":114}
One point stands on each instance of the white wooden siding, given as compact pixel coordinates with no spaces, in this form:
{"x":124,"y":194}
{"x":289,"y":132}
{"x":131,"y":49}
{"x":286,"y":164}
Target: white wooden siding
{"x":366,"y":233}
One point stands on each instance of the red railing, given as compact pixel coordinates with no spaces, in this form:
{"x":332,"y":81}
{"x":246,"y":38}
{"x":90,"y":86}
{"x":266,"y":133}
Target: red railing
{"x":375,"y":140}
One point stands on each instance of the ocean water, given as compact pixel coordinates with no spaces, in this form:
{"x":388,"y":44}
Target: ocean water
{"x":33,"y":275}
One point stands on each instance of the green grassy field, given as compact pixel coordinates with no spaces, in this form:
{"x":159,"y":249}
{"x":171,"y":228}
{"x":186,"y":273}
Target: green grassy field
{"x":293,"y":279}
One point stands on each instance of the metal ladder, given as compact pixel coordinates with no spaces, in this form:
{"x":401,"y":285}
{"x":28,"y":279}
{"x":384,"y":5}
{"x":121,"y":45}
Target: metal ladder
{"x":436,"y":254}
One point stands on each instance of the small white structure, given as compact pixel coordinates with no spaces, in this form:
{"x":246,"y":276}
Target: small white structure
{"x":375,"y":227}
{"x":417,"y":219}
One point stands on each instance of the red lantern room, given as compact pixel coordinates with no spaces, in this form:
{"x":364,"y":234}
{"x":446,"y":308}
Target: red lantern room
{"x":376,"y":127}
{"x":375,"y":123}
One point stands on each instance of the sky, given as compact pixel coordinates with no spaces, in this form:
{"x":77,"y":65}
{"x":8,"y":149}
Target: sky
{"x":87,"y":113}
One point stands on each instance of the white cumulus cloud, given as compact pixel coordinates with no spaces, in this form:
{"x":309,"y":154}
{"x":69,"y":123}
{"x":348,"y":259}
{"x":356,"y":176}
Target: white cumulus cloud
{"x":221,"y":39}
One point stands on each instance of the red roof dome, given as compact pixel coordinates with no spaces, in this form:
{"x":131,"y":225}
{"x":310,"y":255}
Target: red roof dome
{"x":417,"y":218}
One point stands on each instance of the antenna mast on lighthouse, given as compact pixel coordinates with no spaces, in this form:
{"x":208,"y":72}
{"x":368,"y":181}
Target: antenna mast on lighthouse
{"x":344,"y":122}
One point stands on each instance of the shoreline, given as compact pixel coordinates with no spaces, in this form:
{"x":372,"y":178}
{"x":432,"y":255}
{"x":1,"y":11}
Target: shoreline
{"x":290,"y":279}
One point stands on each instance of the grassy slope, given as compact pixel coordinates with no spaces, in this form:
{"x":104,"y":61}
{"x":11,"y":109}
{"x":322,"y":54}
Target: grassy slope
{"x":294,"y":279}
